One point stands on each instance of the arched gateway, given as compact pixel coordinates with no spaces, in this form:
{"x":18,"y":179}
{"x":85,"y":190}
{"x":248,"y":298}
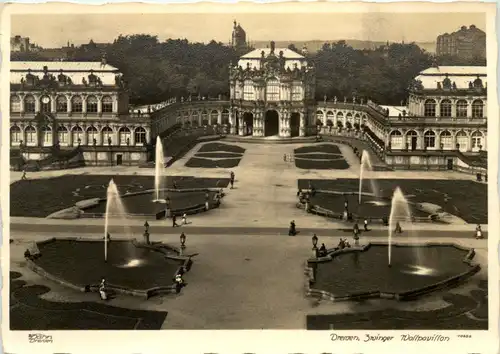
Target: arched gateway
{"x":272,"y":123}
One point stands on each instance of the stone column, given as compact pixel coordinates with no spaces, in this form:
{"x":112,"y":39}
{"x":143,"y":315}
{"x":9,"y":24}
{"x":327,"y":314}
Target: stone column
{"x":232,"y":121}
{"x":115,"y":104}
{"x":53,"y":104}
{"x":84,"y":104}
{"x":302,"y":130}
{"x":469,"y":109}
{"x":68,"y":102}
{"x":287,"y":124}
{"x":219,"y":117}
{"x":469,"y":148}
{"x":453,"y":109}
{"x":132,"y":135}
{"x":240,"y":123}
{"x":70,"y":135}
{"x":438,"y":109}
{"x":437,"y":145}
{"x":99,"y":104}
{"x":37,"y":103}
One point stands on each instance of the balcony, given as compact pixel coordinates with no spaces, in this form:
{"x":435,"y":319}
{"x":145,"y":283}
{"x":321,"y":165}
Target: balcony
{"x":413,"y":120}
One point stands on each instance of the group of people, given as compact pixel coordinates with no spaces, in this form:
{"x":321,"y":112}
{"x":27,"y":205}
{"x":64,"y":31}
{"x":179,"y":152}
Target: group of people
{"x":174,"y":220}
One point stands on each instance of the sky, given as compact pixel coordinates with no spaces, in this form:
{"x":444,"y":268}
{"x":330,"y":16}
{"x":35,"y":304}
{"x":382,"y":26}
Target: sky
{"x":49,"y":30}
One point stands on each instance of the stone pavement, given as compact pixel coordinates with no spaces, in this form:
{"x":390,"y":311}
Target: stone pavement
{"x":242,"y":282}
{"x":265,"y":190}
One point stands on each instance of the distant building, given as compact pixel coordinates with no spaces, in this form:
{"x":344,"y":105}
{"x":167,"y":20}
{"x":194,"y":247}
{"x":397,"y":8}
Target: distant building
{"x":20,"y":44}
{"x":239,"y":38}
{"x":465,"y":43}
{"x":272,"y":93}
{"x":75,"y":104}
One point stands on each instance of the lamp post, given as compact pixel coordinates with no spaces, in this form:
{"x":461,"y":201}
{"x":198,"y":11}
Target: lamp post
{"x":315,"y":245}
{"x":146,"y":233}
{"x":183,"y":243}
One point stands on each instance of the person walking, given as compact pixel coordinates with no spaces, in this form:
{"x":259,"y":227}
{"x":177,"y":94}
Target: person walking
{"x":174,"y":220}
{"x":184,"y":219}
{"x":479,"y":232}
{"x":23,"y":177}
{"x":366,"y":224}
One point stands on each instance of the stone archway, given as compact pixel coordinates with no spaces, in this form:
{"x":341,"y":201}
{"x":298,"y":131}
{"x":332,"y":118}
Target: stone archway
{"x":295,"y":124}
{"x":247,"y":123}
{"x":272,"y":123}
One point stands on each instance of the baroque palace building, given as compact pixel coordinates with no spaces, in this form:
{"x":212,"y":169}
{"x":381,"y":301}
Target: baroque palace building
{"x":272,"y":93}
{"x":69,"y":105}
{"x":80,"y":106}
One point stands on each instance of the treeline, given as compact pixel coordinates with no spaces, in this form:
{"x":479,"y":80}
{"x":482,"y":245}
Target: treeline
{"x":156,"y":71}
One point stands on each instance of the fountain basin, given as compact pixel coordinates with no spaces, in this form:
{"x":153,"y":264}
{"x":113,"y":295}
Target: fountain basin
{"x":143,"y":204}
{"x":363,"y":272}
{"x":331,"y":204}
{"x":131,"y":269}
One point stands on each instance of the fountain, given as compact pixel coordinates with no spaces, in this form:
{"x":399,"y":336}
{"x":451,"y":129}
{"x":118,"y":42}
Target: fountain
{"x":159,"y":167}
{"x":366,"y":165}
{"x":114,"y":209}
{"x":400,"y":210}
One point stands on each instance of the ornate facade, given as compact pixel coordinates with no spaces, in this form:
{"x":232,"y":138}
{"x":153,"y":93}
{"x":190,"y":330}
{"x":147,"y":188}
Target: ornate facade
{"x":70,"y":104}
{"x":272,"y":93}
{"x":446,"y":111}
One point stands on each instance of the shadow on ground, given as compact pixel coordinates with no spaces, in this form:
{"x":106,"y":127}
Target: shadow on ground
{"x":465,"y":312}
{"x":30,"y":312}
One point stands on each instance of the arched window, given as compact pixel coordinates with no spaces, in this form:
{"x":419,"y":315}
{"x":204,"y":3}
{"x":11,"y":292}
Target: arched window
{"x":76,"y":104}
{"x":320,"y":116}
{"x":340,"y":116}
{"x":273,"y":90}
{"x":45,"y":104}
{"x":61,"y":104}
{"x":445,"y":108}
{"x":107,"y":104}
{"x":462,"y":108}
{"x":225,"y":116}
{"x":77,"y":135}
{"x":446,"y":140}
{"x":15,"y":104}
{"x":477,"y":109}
{"x":462,"y":141}
{"x":396,"y":139}
{"x":430,"y":108}
{"x":92,"y":104}
{"x":15,"y":135}
{"x":30,"y":134}
{"x":29,"y":104}
{"x":107,"y":135}
{"x":204,"y":118}
{"x":62,"y":135}
{"x":46,"y":135}
{"x":213,"y":117}
{"x":91,"y":135}
{"x":248,"y":91}
{"x":349,"y":117}
{"x":297,"y":92}
{"x":430,"y":139}
{"x":140,"y":136}
{"x":477,"y":141}
{"x":124,"y":136}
